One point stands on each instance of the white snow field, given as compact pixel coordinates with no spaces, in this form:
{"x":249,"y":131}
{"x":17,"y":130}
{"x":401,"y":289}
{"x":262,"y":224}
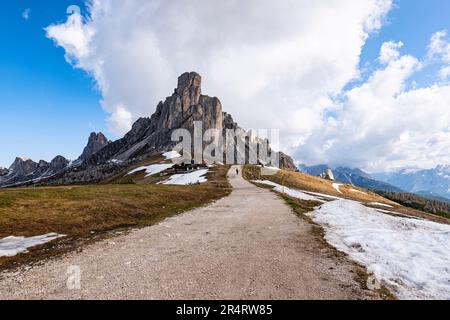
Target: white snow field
{"x":171,"y":155}
{"x":11,"y":246}
{"x":152,"y":169}
{"x":411,"y":257}
{"x":188,"y":178}
{"x":290,"y":192}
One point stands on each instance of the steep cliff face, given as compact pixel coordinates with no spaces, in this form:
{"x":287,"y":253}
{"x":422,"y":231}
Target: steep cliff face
{"x":179,"y":111}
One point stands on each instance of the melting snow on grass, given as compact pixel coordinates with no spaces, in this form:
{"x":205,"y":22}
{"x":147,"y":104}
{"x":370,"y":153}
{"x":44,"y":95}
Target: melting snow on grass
{"x":152,"y":169}
{"x":323,"y":195}
{"x":11,"y":246}
{"x":171,"y":155}
{"x":290,"y":192}
{"x":380,"y":204}
{"x":188,"y":178}
{"x":356,"y":191}
{"x":411,"y":257}
{"x":336,"y":186}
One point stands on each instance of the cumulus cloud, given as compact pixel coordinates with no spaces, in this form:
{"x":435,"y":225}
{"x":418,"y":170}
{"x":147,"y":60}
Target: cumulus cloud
{"x":274,"y":64}
{"x":384,"y":124}
{"x":439,"y":48}
{"x":389,"y":51}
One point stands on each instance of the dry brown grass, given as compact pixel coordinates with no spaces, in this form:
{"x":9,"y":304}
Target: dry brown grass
{"x":309,"y":183}
{"x":76,"y":211}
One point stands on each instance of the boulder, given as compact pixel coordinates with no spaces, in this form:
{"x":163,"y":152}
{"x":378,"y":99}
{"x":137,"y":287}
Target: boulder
{"x":328,"y":175}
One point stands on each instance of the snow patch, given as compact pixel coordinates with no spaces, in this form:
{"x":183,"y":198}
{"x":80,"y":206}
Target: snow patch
{"x":152,"y":169}
{"x":336,"y":186}
{"x":290,"y":192}
{"x":409,"y":256}
{"x":171,"y":155}
{"x":188,"y":178}
{"x":380,"y":204}
{"x":322,"y":195}
{"x":11,"y":246}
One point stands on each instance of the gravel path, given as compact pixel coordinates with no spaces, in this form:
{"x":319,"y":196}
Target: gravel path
{"x":249,"y":245}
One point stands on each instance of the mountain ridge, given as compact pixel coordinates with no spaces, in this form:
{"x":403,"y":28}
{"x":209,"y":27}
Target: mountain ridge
{"x":434,"y":181}
{"x":148,"y":137}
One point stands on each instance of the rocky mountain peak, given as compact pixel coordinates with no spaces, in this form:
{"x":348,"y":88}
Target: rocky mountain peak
{"x":3,"y":172}
{"x":189,"y":89}
{"x":43,"y":164}
{"x":58,"y":163}
{"x":96,"y":142}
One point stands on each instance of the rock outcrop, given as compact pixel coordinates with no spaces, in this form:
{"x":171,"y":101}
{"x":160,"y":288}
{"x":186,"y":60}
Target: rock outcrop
{"x":3,"y":172}
{"x":179,"y":111}
{"x":58,"y":164}
{"x":286,"y":162}
{"x":96,"y":142}
{"x":327,"y":175}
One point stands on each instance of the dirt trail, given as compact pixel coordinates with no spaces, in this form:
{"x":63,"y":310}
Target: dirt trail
{"x":249,"y":245}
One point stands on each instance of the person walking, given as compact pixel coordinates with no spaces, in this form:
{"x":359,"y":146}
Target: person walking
{"x":237,"y":171}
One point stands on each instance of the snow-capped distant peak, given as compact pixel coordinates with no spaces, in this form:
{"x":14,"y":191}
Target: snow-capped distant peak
{"x":445,"y":169}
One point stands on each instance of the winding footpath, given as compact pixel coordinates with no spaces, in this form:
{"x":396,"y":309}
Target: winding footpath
{"x":249,"y":245}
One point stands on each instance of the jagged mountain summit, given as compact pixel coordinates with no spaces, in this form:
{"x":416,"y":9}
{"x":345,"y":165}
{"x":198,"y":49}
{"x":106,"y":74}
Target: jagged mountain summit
{"x":148,"y":136}
{"x":179,"y":111}
{"x":96,"y":142}
{"x":26,"y":170}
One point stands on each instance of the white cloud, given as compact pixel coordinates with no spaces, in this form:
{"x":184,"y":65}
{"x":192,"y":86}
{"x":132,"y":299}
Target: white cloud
{"x":274,"y":64}
{"x":444,"y":73}
{"x":384,"y":124}
{"x":26,"y":14}
{"x":389,"y":51}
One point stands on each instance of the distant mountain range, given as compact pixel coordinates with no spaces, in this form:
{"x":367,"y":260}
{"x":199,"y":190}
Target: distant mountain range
{"x":24,"y":170}
{"x":433,"y":183}
{"x":430,"y":183}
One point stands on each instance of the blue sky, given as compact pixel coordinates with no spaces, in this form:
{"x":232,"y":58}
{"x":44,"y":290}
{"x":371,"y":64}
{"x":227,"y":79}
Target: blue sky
{"x":48,"y":107}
